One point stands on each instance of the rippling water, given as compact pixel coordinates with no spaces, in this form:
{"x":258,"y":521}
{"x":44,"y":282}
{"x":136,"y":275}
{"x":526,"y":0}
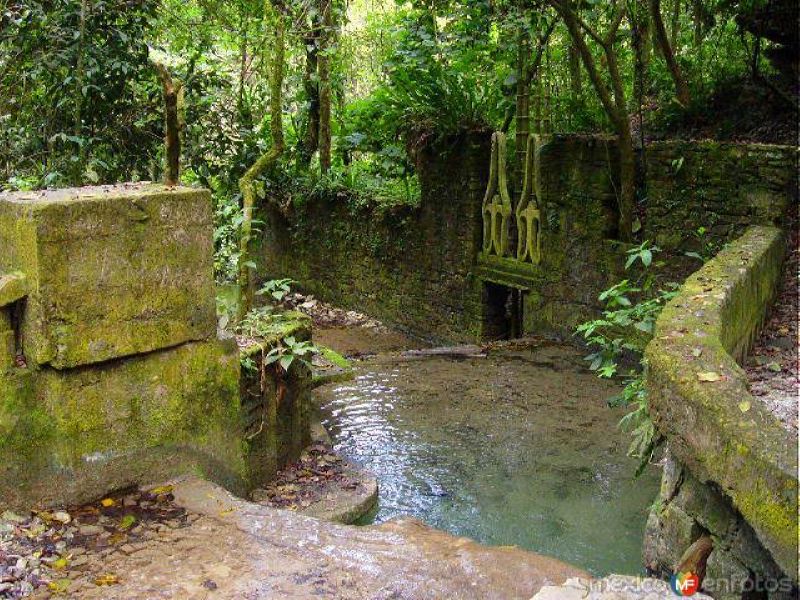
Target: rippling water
{"x":517,"y":448}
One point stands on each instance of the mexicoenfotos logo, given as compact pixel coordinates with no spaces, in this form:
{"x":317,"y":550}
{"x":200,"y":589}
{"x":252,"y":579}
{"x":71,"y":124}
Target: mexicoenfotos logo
{"x":685,"y":584}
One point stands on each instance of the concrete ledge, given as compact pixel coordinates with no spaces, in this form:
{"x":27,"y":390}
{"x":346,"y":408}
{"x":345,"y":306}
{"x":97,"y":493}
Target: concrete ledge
{"x":699,"y":396}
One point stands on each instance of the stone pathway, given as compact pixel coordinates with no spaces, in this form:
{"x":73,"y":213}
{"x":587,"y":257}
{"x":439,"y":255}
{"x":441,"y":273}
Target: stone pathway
{"x":224,"y":547}
{"x":772,"y":367}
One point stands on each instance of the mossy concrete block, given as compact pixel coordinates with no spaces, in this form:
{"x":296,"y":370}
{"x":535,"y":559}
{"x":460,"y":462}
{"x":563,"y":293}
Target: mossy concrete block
{"x":13,"y":287}
{"x":69,"y":436}
{"x":112,"y":271}
{"x":699,"y":396}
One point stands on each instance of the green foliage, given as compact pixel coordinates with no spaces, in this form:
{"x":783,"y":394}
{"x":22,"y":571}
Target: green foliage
{"x":619,"y":337}
{"x":289,"y":350}
{"x":276,"y":289}
{"x":79,"y":102}
{"x":707,"y":246}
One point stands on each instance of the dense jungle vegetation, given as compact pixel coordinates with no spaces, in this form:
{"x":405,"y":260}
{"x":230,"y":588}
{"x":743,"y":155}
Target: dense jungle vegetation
{"x":327,"y":96}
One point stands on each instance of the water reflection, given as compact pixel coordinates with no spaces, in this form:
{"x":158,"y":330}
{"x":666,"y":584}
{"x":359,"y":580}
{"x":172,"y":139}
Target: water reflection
{"x":518,"y":448}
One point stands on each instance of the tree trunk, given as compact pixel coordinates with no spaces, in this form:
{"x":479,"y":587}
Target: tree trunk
{"x":523,"y":109}
{"x":613,"y":102}
{"x":676,"y":23}
{"x":310,"y":141}
{"x":325,"y":87}
{"x":79,"y":85}
{"x":641,"y":48}
{"x":172,"y":140}
{"x":575,"y":82}
{"x":681,"y":88}
{"x":261,"y":166}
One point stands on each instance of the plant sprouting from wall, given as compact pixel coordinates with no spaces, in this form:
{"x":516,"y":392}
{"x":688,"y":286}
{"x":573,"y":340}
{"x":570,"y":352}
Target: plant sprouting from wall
{"x":619,"y":337}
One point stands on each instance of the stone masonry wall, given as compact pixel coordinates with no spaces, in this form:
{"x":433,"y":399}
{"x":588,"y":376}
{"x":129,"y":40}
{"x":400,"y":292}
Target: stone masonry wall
{"x":112,"y":374}
{"x":576,"y":179}
{"x":416,"y":267}
{"x":412,"y":267}
{"x":737,"y":463}
{"x":723,"y":187}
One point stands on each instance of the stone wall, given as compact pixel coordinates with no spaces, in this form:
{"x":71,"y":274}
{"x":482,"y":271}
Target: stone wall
{"x":112,"y":374}
{"x":418,"y":268}
{"x":409,"y":266}
{"x":575,"y":180}
{"x":738,"y":463}
{"x":723,"y":187}
{"x":276,"y":405}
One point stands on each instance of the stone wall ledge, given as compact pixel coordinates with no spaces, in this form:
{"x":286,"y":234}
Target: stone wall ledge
{"x":699,"y":396}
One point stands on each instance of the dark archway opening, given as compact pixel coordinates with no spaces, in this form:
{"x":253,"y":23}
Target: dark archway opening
{"x":502,"y":311}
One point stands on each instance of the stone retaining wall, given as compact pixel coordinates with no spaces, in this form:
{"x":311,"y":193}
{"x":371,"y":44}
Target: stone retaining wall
{"x":416,"y":267}
{"x":409,"y":266}
{"x":722,"y":186}
{"x":111,"y":373}
{"x":738,"y":462}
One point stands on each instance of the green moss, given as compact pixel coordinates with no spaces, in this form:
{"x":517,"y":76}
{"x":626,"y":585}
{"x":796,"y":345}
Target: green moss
{"x":70,"y":435}
{"x":717,"y":428}
{"x":112,"y":272}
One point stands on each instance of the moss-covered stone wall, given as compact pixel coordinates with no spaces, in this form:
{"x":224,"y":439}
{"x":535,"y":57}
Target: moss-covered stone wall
{"x":576,"y":179}
{"x":409,"y":266}
{"x":111,"y":373}
{"x":722,"y":186}
{"x":699,"y":396}
{"x":112,"y":271}
{"x":417,"y":267}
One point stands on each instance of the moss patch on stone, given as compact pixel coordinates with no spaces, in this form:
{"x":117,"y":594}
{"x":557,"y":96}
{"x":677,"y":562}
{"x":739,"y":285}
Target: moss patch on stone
{"x":699,"y":395}
{"x":69,"y":436}
{"x":113,"y":271}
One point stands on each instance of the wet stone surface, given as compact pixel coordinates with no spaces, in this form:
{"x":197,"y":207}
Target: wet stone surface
{"x":772,"y":367}
{"x":66,"y":552}
{"x":321,"y":484}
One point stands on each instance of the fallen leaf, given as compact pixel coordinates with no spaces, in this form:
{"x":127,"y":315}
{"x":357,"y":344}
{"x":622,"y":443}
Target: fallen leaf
{"x":774,"y":367}
{"x":163,"y":489}
{"x":744,"y":406}
{"x":127,"y":522}
{"x":709,"y":376}
{"x":697,"y":352}
{"x":107,"y":579}
{"x":59,"y":586}
{"x":60,"y":564}
{"x":108,"y":502}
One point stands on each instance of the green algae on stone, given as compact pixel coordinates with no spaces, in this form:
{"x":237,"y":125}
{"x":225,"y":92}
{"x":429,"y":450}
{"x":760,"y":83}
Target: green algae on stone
{"x":714,"y":425}
{"x":113,"y":271}
{"x":73,"y":435}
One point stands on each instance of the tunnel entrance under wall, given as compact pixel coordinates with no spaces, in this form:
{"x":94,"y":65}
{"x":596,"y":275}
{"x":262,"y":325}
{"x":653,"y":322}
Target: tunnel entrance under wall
{"x":502,"y":311}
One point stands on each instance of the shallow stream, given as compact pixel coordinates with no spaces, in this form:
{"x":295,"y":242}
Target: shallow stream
{"x":517,"y":448}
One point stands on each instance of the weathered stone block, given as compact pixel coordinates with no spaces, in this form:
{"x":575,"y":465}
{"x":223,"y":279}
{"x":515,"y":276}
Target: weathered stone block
{"x":70,"y":435}
{"x":112,"y":271}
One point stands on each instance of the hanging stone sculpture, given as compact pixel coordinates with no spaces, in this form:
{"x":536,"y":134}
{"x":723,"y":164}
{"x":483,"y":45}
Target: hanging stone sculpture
{"x":497,"y":207}
{"x":528,"y":216}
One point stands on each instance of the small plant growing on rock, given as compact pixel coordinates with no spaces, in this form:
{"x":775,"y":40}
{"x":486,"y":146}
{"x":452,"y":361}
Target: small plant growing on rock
{"x":289,"y":350}
{"x":276,"y":289}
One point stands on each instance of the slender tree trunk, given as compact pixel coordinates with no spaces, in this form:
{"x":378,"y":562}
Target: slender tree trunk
{"x":261,"y":166}
{"x":172,"y":140}
{"x":523,"y":108}
{"x":79,"y":85}
{"x":641,"y":47}
{"x":681,"y":88}
{"x":325,"y":87}
{"x":613,"y":102}
{"x":310,"y":141}
{"x":575,"y":82}
{"x":676,"y":23}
